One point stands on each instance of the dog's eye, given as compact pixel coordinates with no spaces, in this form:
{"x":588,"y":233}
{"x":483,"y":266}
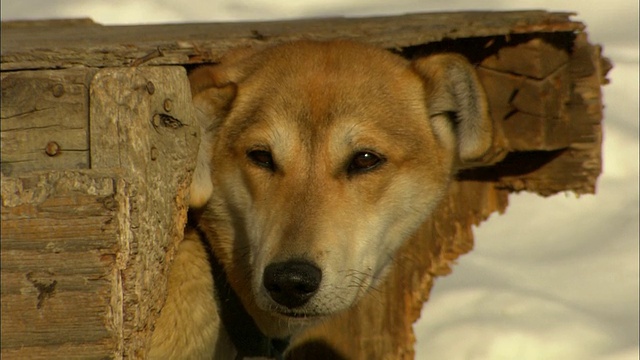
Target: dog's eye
{"x":364,"y":161}
{"x":262,"y":158}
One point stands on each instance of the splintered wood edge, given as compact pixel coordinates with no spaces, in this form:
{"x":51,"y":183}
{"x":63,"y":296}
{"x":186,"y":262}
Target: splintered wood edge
{"x":124,"y":106}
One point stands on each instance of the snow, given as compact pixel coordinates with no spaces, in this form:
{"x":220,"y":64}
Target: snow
{"x":553,"y":278}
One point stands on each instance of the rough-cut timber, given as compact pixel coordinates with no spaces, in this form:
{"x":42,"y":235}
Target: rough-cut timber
{"x":84,"y":253}
{"x":60,"y":44}
{"x":45,"y":120}
{"x":98,"y":147}
{"x":142,"y":122}
{"x":550,"y":126}
{"x":59,"y":248}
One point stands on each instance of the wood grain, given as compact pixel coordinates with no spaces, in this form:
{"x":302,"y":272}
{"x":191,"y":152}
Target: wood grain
{"x":59,"y":243}
{"x":43,"y":47}
{"x":84,"y":254}
{"x":157,"y":159}
{"x":40,"y":108}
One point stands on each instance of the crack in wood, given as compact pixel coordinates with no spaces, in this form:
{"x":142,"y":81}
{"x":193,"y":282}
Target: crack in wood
{"x":45,"y":127}
{"x":148,"y":57}
{"x":525,"y":77}
{"x":27,"y":113}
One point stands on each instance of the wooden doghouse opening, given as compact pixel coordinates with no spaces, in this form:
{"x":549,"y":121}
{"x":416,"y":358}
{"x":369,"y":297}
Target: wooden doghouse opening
{"x":96,"y":165}
{"x":514,"y":164}
{"x":476,"y":49}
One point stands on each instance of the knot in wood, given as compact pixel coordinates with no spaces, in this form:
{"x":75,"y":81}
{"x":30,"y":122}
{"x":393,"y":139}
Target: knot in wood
{"x":166,"y":121}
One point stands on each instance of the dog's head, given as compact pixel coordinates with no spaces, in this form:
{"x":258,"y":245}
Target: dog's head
{"x":320,"y":159}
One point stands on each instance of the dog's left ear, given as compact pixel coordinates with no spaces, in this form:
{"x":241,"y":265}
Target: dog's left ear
{"x":212,"y":100}
{"x":457,"y":104}
{"x":214,"y":88}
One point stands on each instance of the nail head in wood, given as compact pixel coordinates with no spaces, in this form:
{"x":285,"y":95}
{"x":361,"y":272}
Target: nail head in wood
{"x":151,"y":88}
{"x":58,"y":90}
{"x":52,"y":148}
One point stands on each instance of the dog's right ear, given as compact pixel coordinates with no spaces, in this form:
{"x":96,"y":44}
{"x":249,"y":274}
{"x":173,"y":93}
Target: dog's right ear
{"x":212,"y":99}
{"x":457,"y":104}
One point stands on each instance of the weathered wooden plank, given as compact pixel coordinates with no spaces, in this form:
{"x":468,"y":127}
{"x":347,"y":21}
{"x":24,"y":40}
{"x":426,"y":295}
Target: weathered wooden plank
{"x":543,"y":58}
{"x":531,"y":113}
{"x":70,"y":351}
{"x":157,"y":100}
{"x":578,"y":166}
{"x":57,"y":282}
{"x":511,"y":92}
{"x":71,"y":316}
{"x":84,"y":253}
{"x":64,"y":46}
{"x":143,"y":125}
{"x":526,"y":132}
{"x":44,"y":120}
{"x":528,"y":88}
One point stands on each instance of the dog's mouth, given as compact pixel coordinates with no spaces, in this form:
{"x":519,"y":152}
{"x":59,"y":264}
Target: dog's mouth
{"x":294,"y":315}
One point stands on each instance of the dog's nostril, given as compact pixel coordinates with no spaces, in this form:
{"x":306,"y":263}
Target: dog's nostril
{"x":292,"y":283}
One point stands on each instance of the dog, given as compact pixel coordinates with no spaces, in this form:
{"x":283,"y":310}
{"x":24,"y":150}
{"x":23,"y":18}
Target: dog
{"x":317,"y":161}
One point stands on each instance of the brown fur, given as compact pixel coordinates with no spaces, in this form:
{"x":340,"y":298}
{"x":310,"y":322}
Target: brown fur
{"x":313,"y":106}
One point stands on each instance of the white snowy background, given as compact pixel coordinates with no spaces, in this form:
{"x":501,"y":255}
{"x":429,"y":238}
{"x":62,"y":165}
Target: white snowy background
{"x":553,"y":278}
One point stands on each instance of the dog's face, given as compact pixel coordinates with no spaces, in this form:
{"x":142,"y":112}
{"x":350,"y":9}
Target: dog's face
{"x":321,"y":159}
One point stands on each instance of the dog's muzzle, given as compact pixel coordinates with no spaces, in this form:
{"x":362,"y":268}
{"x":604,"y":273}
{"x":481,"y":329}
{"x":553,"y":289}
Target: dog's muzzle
{"x":292,"y":283}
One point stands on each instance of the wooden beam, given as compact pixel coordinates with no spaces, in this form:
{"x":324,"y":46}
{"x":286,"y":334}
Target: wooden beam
{"x":44,"y":120}
{"x":59,"y":45}
{"x":85,"y":252}
{"x":59,"y":248}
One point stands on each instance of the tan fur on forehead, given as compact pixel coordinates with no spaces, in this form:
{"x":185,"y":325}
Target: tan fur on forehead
{"x":325,"y":82}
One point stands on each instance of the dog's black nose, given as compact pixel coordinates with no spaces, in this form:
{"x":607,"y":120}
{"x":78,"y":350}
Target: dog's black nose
{"x":292,"y":283}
